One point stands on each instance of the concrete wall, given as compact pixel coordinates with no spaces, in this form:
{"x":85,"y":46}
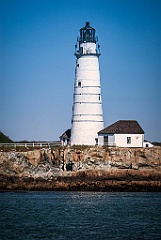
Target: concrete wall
{"x":136,"y":140}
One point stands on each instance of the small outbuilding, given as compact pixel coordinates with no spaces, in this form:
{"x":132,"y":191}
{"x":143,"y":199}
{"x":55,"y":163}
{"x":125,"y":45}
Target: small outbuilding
{"x":147,"y":144}
{"x":123,"y":133}
{"x":65,"y":138}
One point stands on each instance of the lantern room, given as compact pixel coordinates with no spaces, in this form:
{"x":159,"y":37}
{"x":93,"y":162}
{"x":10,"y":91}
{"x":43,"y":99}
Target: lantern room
{"x":87,"y":34}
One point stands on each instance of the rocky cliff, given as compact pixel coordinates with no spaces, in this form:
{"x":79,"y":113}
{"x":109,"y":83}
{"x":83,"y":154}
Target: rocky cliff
{"x":94,"y":168}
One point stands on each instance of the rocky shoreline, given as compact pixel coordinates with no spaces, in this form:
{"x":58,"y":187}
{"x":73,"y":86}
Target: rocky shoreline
{"x":78,"y":169}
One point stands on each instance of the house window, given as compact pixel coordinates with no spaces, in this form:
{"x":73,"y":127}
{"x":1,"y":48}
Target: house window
{"x":128,"y":140}
{"x":105,"y":140}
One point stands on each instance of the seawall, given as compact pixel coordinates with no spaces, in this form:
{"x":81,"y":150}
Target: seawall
{"x":75,"y":168}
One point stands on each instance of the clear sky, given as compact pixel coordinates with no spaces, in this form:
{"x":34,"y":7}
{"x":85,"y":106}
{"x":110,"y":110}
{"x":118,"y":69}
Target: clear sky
{"x":37,"y":64}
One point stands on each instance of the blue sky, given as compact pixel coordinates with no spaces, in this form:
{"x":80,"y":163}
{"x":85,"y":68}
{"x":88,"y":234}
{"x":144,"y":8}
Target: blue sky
{"x":37,"y":64}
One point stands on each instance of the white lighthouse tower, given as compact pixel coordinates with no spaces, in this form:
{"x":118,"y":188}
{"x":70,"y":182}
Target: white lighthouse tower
{"x":87,"y":114}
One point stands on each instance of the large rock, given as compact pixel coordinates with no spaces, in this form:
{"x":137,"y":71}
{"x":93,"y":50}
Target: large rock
{"x":34,"y":157}
{"x":74,"y":169}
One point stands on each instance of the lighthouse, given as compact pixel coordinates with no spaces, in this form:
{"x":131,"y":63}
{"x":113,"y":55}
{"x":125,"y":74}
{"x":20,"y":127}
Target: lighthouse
{"x":87,"y":114}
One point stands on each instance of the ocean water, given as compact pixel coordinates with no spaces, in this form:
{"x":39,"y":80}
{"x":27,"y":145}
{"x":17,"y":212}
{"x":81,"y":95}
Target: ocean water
{"x":80,"y":215}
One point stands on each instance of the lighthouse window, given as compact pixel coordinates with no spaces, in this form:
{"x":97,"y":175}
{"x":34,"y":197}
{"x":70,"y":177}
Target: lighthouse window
{"x":79,"y":84}
{"x":78,"y":65}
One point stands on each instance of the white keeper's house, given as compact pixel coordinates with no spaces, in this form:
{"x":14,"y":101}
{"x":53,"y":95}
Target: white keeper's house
{"x":123,"y":133}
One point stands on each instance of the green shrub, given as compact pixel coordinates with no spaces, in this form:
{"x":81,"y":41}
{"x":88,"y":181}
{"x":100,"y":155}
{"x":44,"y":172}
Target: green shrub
{"x":4,"y":138}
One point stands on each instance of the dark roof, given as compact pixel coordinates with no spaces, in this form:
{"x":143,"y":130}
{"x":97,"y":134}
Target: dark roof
{"x":66,"y":134}
{"x":124,"y":127}
{"x":87,"y":27}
